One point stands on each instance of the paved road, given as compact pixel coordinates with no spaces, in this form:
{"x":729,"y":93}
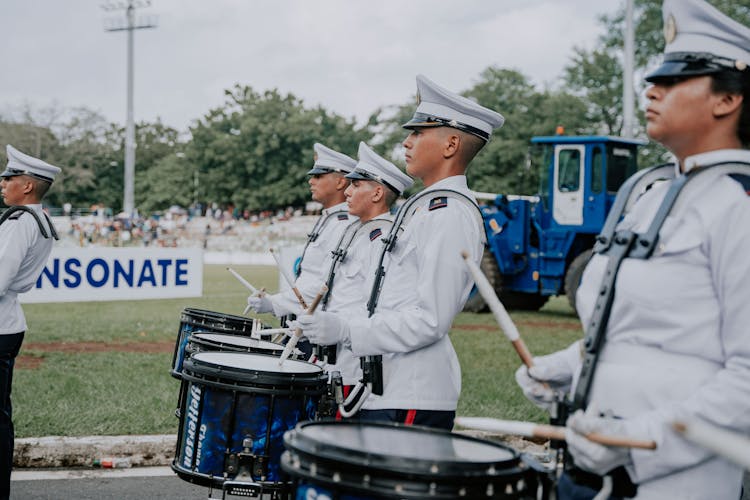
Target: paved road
{"x":114,"y":484}
{"x":138,"y":483}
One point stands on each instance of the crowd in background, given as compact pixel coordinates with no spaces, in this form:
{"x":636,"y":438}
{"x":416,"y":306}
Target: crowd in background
{"x":176,"y":226}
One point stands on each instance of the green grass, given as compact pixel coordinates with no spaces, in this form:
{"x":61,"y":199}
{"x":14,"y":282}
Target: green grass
{"x":112,"y":393}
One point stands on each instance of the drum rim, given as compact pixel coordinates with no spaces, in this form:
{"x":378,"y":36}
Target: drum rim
{"x":295,"y":442}
{"x":205,"y":313}
{"x":197,"y":336}
{"x":203,"y":479}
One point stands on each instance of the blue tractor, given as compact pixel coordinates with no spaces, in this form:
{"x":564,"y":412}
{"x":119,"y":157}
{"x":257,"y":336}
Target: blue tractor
{"x":539,"y":245}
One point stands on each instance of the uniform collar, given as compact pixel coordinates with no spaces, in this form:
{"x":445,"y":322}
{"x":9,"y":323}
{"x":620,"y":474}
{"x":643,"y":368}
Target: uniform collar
{"x":336,"y":208}
{"x":456,"y":182}
{"x":714,"y":157}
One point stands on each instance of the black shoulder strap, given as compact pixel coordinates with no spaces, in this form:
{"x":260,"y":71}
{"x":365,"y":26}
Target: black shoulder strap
{"x":628,"y":193}
{"x":339,"y":255}
{"x":404,"y":215}
{"x":628,"y":244}
{"x":320,"y":224}
{"x":21,"y":208}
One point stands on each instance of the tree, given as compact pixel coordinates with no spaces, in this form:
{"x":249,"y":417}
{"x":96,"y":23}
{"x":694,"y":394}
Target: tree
{"x":596,"y":77}
{"x":254,"y":151}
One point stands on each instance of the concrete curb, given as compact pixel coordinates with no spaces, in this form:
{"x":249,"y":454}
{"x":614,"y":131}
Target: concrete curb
{"x":57,"y":451}
{"x":158,"y":450}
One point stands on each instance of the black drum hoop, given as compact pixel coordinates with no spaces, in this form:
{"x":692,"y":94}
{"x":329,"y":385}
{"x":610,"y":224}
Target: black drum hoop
{"x":210,"y":481}
{"x":254,"y":381}
{"x":216,"y":320}
{"x":358,"y":471}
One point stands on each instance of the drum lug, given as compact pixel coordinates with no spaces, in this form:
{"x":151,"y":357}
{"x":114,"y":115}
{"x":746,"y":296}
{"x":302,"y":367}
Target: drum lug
{"x":245,"y":464}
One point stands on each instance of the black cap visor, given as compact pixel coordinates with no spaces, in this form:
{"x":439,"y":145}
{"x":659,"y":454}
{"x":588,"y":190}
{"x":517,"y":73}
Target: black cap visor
{"x":689,"y":64}
{"x":325,"y":170}
{"x":422,"y":120}
{"x":360,"y":175}
{"x":13,"y":172}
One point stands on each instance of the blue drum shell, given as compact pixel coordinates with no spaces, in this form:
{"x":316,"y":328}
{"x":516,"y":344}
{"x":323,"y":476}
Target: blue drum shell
{"x":226,"y":406}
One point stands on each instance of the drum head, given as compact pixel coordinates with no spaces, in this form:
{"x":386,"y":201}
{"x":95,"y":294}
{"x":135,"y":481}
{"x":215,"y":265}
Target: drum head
{"x":238,"y":341}
{"x":240,"y":361}
{"x":398,"y":448}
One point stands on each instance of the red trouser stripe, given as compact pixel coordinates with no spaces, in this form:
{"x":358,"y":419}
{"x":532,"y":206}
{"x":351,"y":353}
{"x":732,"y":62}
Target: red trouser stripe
{"x":410,"y":416}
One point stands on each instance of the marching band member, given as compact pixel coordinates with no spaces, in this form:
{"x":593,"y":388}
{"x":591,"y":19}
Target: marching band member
{"x":375,"y":185}
{"x":327,"y":185}
{"x":426,"y":282}
{"x":677,"y":346}
{"x":25,"y":245}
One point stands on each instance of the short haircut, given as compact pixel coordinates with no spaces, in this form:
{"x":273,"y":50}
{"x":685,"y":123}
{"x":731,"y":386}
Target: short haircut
{"x":40,"y":186}
{"x":390,"y":196}
{"x":736,"y":82}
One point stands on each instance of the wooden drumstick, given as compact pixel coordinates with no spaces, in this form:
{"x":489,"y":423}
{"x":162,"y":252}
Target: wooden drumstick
{"x":530,"y":429}
{"x":728,"y":444}
{"x":289,"y":279}
{"x":289,"y":347}
{"x":242,"y":280}
{"x":253,"y":290}
{"x":498,"y":310}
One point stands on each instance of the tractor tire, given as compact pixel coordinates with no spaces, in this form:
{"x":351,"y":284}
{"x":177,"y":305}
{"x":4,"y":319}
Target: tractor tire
{"x":488,"y":265}
{"x":519,"y":301}
{"x":573,"y":276}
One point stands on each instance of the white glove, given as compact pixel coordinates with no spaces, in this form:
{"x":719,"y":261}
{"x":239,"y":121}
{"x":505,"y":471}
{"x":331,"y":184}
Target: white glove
{"x":260,"y":303}
{"x":591,"y":456}
{"x":550,"y":375}
{"x":322,"y":327}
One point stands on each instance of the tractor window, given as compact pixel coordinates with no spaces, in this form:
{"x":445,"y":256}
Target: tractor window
{"x":597,"y":170}
{"x":622,"y":163}
{"x":569,"y":170}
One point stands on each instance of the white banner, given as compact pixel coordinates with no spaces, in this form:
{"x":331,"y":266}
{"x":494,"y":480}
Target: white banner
{"x":95,"y":274}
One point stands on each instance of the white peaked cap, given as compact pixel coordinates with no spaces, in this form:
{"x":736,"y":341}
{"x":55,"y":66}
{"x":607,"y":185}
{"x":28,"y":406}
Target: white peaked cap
{"x":22,"y":164}
{"x":371,"y":166}
{"x":327,"y":160}
{"x":438,"y":107}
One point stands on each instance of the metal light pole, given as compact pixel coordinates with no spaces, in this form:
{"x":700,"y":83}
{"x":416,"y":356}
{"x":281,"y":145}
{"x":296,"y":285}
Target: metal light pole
{"x":129,"y":25}
{"x":628,"y":98}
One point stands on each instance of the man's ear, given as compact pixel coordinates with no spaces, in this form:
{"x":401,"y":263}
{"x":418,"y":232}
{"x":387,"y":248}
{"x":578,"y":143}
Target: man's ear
{"x":378,"y":193}
{"x":28,"y":186}
{"x":451,"y":145}
{"x":727,"y":104}
{"x":342,"y":183}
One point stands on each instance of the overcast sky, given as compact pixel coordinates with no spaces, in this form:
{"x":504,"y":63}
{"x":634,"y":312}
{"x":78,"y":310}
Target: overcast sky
{"x":351,"y":56}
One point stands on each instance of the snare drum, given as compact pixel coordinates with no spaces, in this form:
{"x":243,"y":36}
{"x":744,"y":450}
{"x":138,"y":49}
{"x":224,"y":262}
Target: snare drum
{"x":197,"y":320}
{"x":353,"y":461}
{"x":235,"y":409}
{"x":210,"y":342}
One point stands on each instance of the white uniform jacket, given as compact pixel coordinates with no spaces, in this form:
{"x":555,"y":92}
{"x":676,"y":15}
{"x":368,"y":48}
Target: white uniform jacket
{"x":426,"y":284}
{"x":350,"y":293}
{"x":23,"y":255}
{"x":316,"y":261}
{"x":678,"y":338}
